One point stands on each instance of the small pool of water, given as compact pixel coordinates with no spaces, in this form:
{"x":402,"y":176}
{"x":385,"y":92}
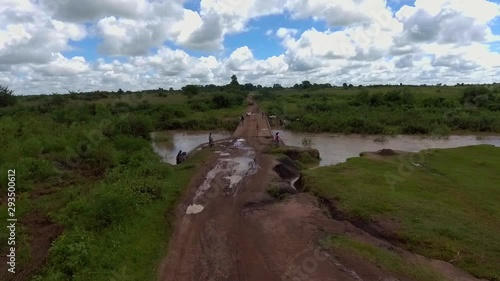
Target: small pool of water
{"x":185,"y":141}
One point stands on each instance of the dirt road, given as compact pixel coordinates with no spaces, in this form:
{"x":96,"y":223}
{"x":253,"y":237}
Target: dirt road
{"x":228,"y":228}
{"x":220,"y":234}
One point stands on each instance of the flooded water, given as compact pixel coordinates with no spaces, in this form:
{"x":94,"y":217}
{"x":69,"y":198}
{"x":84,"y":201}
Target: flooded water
{"x":333,"y":148}
{"x":337,"y":148}
{"x":185,"y":141}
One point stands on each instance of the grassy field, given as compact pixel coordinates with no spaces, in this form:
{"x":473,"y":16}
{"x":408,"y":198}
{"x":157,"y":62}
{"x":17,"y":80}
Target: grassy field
{"x":85,"y":162}
{"x":445,"y":202}
{"x":382,"y":258}
{"x":387,"y":110}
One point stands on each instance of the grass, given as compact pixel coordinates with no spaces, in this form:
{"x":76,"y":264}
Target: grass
{"x":383,"y":258}
{"x":134,"y":240}
{"x":92,"y":157}
{"x":447,"y":208}
{"x":303,"y":157}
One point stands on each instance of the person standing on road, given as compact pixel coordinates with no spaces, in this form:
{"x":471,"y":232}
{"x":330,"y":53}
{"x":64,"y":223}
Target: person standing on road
{"x":210,"y":140}
{"x":178,"y":158}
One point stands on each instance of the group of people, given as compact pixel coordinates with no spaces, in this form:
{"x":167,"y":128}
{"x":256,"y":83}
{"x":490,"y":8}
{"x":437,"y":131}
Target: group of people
{"x":181,"y":156}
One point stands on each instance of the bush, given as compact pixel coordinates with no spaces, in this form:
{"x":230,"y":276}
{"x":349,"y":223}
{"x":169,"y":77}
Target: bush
{"x":221,"y":101}
{"x":70,"y":254}
{"x":135,"y":126}
{"x":414,"y":129}
{"x":7,"y":97}
{"x":478,"y":96}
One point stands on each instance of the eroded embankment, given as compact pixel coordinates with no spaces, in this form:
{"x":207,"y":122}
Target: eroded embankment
{"x":364,"y":250}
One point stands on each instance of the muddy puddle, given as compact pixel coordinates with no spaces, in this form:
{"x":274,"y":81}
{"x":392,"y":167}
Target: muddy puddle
{"x":337,"y":148}
{"x":235,"y":163}
{"x":185,"y":141}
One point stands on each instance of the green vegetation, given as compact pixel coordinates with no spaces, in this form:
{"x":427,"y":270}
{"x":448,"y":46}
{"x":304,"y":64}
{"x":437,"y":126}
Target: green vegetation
{"x":86,"y":162}
{"x":276,"y":193}
{"x":445,"y":202}
{"x":303,"y":157}
{"x":6,"y":96}
{"x":387,"y":110}
{"x":386,"y":259}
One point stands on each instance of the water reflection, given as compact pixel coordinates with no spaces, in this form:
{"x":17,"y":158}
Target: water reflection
{"x":337,"y":148}
{"x":185,"y":141}
{"x":333,"y":148}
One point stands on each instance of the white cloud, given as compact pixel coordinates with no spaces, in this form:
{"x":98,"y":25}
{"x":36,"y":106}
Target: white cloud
{"x":428,"y":42}
{"x":447,"y":21}
{"x":338,"y":13}
{"x":27,"y":35}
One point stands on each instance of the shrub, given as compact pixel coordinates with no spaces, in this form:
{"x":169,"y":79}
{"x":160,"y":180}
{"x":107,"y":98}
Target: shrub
{"x":7,"y":97}
{"x":136,"y":126}
{"x":478,"y":96}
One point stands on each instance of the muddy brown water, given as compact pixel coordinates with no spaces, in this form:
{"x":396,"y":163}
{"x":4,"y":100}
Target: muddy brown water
{"x":185,"y":141}
{"x":333,"y":148}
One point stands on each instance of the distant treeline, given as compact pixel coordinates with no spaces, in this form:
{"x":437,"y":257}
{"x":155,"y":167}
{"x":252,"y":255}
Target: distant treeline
{"x":388,"y":110}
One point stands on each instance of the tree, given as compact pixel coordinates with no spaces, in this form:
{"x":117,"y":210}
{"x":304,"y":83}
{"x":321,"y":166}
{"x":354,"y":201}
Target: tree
{"x":190,"y":90}
{"x":234,"y":80}
{"x":7,"y":97}
{"x":221,"y":101}
{"x":249,"y":87}
{"x":277,"y":86}
{"x":306,"y":84}
{"x":478,"y":96}
{"x":120,"y":91}
{"x":345,"y":86}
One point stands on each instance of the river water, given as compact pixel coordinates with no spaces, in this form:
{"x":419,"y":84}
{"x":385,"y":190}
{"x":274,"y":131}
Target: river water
{"x":185,"y":141}
{"x":333,"y":148}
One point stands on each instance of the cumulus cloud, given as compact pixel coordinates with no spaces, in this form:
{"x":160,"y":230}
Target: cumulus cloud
{"x":338,"y":13}
{"x":447,"y":21}
{"x":27,"y":35}
{"x":362,"y":42}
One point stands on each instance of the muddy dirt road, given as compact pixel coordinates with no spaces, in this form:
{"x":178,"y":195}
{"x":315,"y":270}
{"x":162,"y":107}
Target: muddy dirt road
{"x":220,"y":234}
{"x":228,"y":228}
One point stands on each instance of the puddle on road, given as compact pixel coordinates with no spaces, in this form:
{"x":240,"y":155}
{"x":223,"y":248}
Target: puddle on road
{"x":194,"y":209}
{"x":224,"y":178}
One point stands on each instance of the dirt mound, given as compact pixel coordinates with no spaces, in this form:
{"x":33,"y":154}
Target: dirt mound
{"x":286,"y":169}
{"x":280,"y":190}
{"x":382,"y":152}
{"x":386,"y":151}
{"x":42,"y":232}
{"x":295,"y":153}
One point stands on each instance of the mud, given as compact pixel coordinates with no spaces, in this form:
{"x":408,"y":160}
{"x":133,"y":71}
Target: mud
{"x":234,"y":230}
{"x":41,"y":233}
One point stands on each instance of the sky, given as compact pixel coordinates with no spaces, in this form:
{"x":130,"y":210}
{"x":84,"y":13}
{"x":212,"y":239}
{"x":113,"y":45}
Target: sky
{"x":56,"y":46}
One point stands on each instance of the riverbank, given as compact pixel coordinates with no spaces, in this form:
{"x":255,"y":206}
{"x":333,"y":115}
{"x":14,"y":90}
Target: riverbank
{"x":441,"y":204}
